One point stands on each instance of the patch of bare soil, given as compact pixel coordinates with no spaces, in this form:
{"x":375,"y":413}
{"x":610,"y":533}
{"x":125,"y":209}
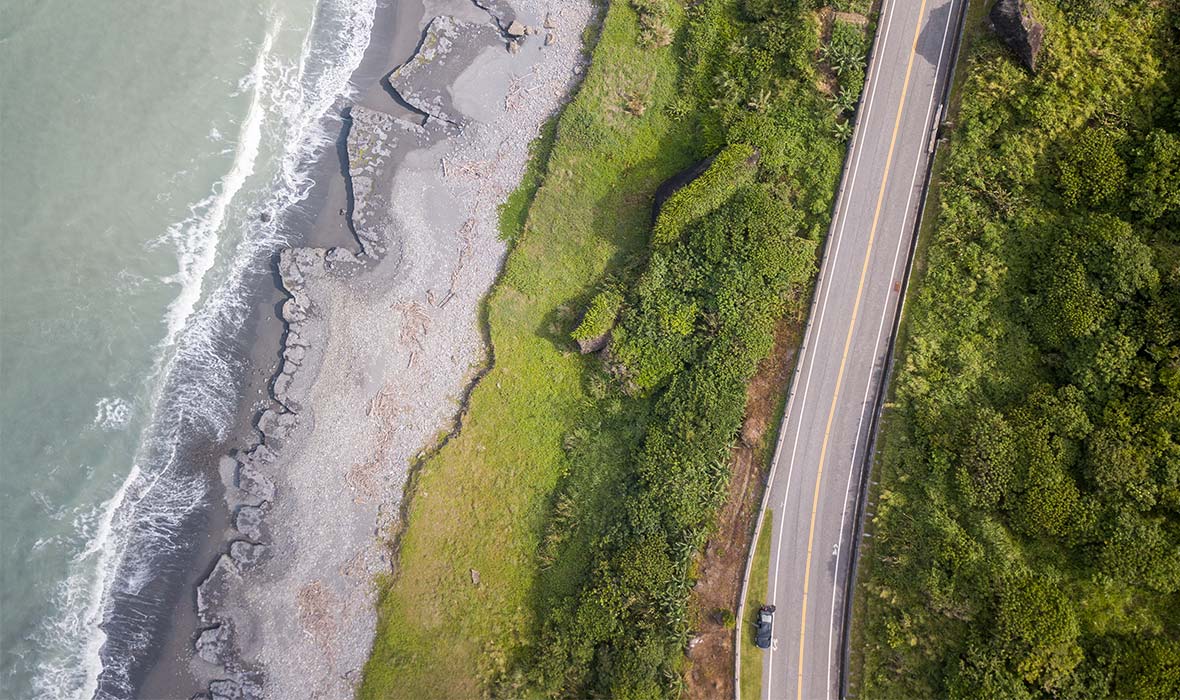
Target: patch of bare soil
{"x":720,"y":568}
{"x":825,"y":78}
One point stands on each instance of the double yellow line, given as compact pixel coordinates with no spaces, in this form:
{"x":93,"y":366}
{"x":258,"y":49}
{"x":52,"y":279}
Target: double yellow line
{"x":848,"y":340}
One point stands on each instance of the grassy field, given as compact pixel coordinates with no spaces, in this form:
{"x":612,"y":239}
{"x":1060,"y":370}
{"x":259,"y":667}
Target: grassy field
{"x":1027,"y":517}
{"x":755,"y":595}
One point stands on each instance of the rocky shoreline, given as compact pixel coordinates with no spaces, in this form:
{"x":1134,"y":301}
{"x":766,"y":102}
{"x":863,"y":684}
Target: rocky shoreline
{"x":380,"y":342}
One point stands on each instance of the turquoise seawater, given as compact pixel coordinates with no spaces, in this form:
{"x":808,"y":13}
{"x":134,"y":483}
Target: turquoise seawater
{"x":139,"y":144}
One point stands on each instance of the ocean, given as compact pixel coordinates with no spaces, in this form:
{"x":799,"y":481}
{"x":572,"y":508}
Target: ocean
{"x":149,"y":155}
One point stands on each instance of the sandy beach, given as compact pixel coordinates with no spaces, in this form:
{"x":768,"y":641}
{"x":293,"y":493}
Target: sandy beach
{"x":363,"y":345}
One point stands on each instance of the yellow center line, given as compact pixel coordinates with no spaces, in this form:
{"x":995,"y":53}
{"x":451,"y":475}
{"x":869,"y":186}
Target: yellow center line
{"x":848,"y":340}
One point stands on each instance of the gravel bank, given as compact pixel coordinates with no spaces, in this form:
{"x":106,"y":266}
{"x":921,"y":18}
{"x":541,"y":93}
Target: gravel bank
{"x":382,"y":341}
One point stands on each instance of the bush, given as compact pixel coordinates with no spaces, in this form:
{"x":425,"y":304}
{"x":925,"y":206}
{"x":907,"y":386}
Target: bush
{"x":1029,"y":545}
{"x":600,"y":316}
{"x":733,"y":167}
{"x":730,"y":253}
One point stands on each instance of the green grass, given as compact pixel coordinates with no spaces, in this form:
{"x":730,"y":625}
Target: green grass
{"x":514,"y":211}
{"x":751,"y":679}
{"x":482,"y":502}
{"x":861,"y":7}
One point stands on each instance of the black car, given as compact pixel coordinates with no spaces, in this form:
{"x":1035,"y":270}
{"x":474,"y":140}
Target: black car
{"x":762,"y":627}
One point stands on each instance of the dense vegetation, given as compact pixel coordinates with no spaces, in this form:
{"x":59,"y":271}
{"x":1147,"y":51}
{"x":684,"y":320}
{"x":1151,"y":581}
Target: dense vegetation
{"x":729,"y":253}
{"x":581,"y":487}
{"x":1027,"y":536}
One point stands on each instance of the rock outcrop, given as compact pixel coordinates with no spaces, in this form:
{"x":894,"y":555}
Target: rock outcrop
{"x":449,"y":47}
{"x":1015,"y":25}
{"x":212,"y":643}
{"x":589,"y":345}
{"x":212,"y":591}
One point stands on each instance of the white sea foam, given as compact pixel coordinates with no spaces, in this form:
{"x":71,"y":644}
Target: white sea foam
{"x":195,"y":238}
{"x":111,"y":413}
{"x":195,"y":375}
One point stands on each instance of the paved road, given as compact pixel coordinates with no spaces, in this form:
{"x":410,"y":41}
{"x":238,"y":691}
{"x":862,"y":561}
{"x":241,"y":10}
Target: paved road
{"x":815,"y":482}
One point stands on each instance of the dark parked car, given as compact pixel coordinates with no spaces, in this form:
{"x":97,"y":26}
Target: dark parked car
{"x":762,"y":627}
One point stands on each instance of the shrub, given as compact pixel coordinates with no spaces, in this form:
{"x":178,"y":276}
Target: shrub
{"x":733,"y":167}
{"x":600,"y":315}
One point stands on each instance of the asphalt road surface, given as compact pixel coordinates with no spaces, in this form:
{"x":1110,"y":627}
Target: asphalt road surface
{"x":817,"y":468}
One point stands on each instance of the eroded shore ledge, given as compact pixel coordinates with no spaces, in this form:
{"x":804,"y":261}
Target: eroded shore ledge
{"x":380,"y":342}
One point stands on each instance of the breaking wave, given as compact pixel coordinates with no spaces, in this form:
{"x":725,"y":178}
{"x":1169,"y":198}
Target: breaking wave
{"x":123,"y":584}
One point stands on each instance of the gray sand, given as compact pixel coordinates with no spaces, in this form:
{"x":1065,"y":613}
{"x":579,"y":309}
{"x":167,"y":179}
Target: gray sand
{"x":382,"y":341}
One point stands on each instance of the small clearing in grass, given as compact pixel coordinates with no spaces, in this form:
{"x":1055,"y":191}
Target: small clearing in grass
{"x":755,"y":597}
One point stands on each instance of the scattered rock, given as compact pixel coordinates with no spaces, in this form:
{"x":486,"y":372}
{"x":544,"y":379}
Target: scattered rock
{"x":550,"y":38}
{"x":474,"y":578}
{"x":256,"y":487}
{"x":264,"y":217}
{"x":549,"y":23}
{"x":212,"y":591}
{"x":514,"y":47}
{"x":248,"y":521}
{"x":211,"y":644}
{"x":343,"y":211}
{"x":246,"y":554}
{"x":1014,"y":24}
{"x":517,"y":29}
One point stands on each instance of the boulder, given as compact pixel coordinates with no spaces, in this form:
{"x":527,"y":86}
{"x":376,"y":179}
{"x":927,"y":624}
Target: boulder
{"x":256,"y":487}
{"x":259,"y":457}
{"x":248,"y":521}
{"x":212,"y":591}
{"x":241,"y":688}
{"x":516,"y":28}
{"x":277,"y":425}
{"x":1014,"y":24}
{"x":246,"y":554}
{"x":212,"y":643}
